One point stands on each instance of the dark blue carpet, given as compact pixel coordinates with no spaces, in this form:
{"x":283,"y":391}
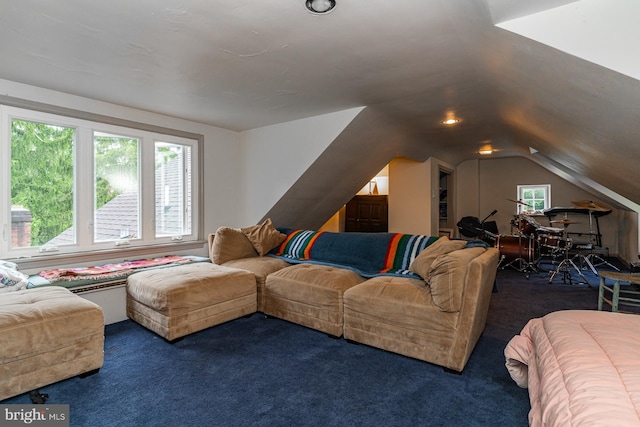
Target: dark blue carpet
{"x":267,"y":372}
{"x":257,"y":371}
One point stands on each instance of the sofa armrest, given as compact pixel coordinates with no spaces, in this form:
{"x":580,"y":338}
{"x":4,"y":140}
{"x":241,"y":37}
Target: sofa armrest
{"x":481,"y":275}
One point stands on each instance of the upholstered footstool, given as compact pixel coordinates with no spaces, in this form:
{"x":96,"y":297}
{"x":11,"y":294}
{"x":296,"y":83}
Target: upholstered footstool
{"x":177,"y":301}
{"x":309,"y":295}
{"x":47,"y":335}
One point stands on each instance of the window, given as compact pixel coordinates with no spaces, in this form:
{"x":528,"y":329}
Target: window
{"x":173,"y":190}
{"x":71,"y":185}
{"x":42,"y":181}
{"x":116,"y":187}
{"x":534,"y":197}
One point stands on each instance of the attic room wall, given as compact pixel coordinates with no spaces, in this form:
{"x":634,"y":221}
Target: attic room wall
{"x":467,"y":190}
{"x":274,"y":157}
{"x":221,"y":148}
{"x":498,"y":180}
{"x":627,"y":243}
{"x":409,"y":197}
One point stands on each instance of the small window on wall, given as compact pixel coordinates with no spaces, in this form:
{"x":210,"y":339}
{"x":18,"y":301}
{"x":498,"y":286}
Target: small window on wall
{"x":534,"y":197}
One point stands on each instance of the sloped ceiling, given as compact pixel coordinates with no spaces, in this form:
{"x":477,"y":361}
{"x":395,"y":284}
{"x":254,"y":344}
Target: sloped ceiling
{"x":242,"y":64}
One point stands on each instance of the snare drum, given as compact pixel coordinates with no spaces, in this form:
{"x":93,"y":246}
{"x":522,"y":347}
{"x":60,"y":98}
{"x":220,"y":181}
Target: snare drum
{"x":514,"y":247}
{"x":551,"y":244}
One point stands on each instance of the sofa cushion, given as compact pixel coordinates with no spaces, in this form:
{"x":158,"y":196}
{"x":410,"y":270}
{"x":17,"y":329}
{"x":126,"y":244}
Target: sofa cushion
{"x":442,"y":246}
{"x":447,"y":277}
{"x":263,"y":237}
{"x":261,"y":267}
{"x":228,"y":244}
{"x":310,"y":295}
{"x":403,"y":302}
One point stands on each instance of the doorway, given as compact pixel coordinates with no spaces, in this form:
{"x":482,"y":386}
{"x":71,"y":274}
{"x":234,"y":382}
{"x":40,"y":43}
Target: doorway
{"x":446,"y":193}
{"x":367,"y":214}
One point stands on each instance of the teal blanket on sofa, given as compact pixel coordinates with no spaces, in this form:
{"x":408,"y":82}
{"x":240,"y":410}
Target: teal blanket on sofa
{"x":368,"y":254}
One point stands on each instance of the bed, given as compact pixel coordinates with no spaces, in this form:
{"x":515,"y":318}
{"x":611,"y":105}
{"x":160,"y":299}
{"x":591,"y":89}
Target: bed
{"x":582,"y":368}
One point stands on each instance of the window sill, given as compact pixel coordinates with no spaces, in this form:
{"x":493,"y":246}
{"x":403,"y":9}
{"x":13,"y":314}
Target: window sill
{"x":32,"y":265}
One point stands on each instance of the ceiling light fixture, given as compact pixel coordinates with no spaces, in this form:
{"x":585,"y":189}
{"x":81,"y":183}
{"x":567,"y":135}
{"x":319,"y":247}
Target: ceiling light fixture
{"x":451,"y":118}
{"x":486,"y":149}
{"x":319,"y":7}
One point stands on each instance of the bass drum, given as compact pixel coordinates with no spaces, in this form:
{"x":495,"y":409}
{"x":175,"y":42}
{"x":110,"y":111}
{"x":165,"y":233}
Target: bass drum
{"x":514,"y":247}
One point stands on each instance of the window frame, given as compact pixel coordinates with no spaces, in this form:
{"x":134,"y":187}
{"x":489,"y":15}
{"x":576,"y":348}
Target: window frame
{"x":86,"y":124}
{"x":522,"y":188}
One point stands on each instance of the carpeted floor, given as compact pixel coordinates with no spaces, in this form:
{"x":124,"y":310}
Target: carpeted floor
{"x":268,"y":372}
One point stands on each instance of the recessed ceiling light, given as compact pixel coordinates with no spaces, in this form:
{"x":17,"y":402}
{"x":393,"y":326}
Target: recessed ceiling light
{"x":451,"y":122}
{"x":485,"y":151}
{"x":319,"y":7}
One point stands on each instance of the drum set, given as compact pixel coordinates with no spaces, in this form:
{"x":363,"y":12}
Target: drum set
{"x":522,"y":249}
{"x":529,"y":243}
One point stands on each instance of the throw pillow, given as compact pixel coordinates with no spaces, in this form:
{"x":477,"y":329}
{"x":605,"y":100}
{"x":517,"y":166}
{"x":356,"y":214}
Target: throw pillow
{"x":447,"y":277}
{"x":442,"y":246}
{"x":228,"y":244}
{"x":264,"y":237}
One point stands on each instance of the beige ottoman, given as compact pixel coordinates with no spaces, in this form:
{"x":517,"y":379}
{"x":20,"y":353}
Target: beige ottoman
{"x":47,"y":335}
{"x":177,"y":301}
{"x":309,"y":295}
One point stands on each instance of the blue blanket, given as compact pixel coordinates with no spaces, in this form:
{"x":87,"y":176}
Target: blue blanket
{"x":368,"y":254}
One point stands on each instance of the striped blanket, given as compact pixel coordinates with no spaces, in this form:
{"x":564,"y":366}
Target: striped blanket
{"x":368,"y":254}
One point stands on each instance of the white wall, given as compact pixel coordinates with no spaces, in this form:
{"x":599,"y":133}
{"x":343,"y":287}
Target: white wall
{"x":274,"y":157}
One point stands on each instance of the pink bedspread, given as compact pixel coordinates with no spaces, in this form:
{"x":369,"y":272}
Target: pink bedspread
{"x":582,"y":368}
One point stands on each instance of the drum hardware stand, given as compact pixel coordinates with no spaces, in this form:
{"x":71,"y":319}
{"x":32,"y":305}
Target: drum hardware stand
{"x":588,"y":258}
{"x":600,"y":261}
{"x":553,"y":256}
{"x":523,"y":266}
{"x":563,"y":268}
{"x":584,"y":259}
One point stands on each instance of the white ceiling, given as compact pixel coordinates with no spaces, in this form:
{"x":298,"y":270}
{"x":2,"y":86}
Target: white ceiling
{"x":241,"y":64}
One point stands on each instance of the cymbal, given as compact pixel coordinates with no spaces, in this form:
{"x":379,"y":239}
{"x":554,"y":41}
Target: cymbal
{"x":591,"y":205}
{"x":520,"y":203}
{"x":564,"y":221}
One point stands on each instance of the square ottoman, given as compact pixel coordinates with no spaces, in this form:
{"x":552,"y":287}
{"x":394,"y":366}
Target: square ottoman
{"x":47,"y":335}
{"x":177,"y":301}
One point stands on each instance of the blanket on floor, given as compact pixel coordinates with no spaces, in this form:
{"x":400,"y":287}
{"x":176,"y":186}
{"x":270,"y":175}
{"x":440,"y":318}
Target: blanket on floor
{"x":368,"y":254}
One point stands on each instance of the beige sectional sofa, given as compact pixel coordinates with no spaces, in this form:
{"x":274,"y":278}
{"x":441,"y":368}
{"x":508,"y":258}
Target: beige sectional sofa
{"x":435,"y":310}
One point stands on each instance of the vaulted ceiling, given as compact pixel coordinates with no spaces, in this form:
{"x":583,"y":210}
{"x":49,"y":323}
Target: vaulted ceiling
{"x":556,"y":77}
